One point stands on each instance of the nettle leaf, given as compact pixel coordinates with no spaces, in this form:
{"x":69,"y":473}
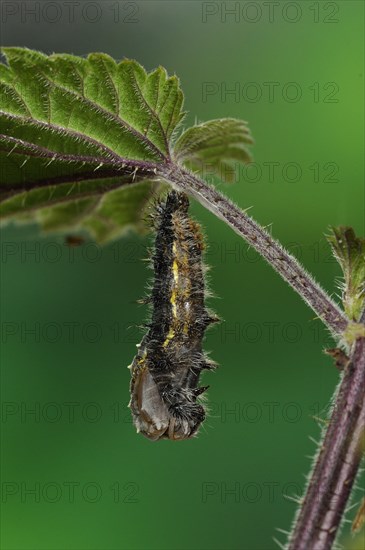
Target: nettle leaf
{"x":80,"y":139}
{"x":214,"y":147}
{"x":83,"y":141}
{"x":349,"y":251}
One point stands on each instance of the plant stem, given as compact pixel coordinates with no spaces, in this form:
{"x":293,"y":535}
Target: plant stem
{"x":283,"y":262}
{"x":337,"y":463}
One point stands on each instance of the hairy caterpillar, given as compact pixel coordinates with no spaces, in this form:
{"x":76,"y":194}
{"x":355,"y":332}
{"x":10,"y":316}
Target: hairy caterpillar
{"x":165,"y":372}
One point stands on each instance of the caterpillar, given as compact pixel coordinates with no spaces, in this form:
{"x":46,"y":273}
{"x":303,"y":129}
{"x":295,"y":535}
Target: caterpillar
{"x":165,"y":372}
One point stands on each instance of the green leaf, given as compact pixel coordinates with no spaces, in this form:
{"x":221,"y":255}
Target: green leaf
{"x":211,"y":147}
{"x":104,"y":210}
{"x":84,"y":143}
{"x":72,"y":129}
{"x":349,"y":251}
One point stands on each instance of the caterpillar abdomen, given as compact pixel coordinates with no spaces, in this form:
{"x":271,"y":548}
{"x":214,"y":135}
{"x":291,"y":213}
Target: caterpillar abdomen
{"x":166,"y":370}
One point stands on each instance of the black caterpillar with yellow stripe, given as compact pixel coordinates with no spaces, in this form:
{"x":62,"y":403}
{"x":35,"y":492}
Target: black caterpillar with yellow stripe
{"x":166,"y":370}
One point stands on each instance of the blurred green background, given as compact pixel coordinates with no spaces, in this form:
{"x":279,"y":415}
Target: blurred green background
{"x":75,"y":475}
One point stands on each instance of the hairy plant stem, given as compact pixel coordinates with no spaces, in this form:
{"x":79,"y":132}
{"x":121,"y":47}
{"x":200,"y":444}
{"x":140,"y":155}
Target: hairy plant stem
{"x":337,"y":463}
{"x":283,"y":262}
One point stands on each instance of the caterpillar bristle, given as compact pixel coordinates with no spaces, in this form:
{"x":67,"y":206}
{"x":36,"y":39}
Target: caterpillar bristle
{"x":199,"y":391}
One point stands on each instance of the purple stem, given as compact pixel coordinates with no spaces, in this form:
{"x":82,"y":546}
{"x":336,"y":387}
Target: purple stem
{"x":337,"y":463}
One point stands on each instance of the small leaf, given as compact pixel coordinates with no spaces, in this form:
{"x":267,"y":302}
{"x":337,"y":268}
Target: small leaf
{"x":349,"y":251}
{"x":211,"y":147}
